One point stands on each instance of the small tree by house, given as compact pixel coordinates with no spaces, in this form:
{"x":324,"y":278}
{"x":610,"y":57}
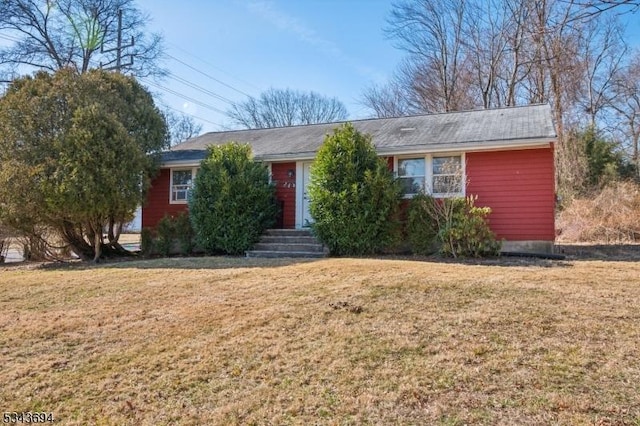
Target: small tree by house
{"x":232,"y":202}
{"x":354,"y":196}
{"x":452,"y":225}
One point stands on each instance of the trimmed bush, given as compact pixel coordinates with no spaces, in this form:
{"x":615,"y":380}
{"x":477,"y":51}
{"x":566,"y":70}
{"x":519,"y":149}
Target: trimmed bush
{"x":232,"y":202}
{"x":183,"y":233}
{"x":164,"y":235}
{"x":172,"y":235}
{"x":146,"y":242}
{"x":422,"y":229}
{"x":451,"y":226}
{"x":354,"y":198}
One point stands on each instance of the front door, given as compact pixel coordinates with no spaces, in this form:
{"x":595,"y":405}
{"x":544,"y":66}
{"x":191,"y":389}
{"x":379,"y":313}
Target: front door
{"x":306,"y":215}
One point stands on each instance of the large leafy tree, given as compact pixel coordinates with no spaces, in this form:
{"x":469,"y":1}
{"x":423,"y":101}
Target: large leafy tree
{"x":76,"y":155}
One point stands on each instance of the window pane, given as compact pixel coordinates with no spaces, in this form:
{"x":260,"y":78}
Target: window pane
{"x":450,"y":184}
{"x":182,"y":177}
{"x":182,"y":180}
{"x":411,"y":167}
{"x":412,"y":185}
{"x":446,"y":165}
{"x":180,"y":195}
{"x":447,"y":175}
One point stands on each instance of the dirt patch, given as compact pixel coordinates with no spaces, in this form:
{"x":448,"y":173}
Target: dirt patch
{"x":617,"y":252}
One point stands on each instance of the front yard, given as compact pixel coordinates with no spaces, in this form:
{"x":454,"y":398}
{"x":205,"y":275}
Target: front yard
{"x":334,"y":341}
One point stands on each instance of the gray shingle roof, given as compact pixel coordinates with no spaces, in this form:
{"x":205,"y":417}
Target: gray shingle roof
{"x":448,"y":131}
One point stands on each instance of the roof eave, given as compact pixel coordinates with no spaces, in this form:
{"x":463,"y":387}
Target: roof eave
{"x":469,"y":146}
{"x":298,"y":156}
{"x":402,"y":150}
{"x":182,"y":163}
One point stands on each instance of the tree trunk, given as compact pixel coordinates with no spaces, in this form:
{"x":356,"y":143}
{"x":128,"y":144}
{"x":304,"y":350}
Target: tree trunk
{"x":97,"y":246}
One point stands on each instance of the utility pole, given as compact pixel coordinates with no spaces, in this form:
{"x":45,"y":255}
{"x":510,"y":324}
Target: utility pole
{"x":4,"y":84}
{"x":117,"y":64}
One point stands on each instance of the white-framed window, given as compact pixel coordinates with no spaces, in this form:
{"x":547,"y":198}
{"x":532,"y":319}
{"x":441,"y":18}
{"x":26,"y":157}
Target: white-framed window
{"x":412,"y":173}
{"x":181,"y":184}
{"x":440,"y":175}
{"x":446,"y":175}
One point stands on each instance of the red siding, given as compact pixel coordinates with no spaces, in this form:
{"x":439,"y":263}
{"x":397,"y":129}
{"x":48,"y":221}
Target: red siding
{"x":158,"y":201}
{"x":389,"y":162}
{"x":158,"y":198}
{"x":285,"y":191}
{"x":519,"y":188}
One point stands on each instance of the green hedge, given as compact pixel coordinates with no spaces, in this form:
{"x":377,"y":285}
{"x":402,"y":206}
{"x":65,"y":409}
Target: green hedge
{"x":354,"y":198}
{"x":172,"y":235}
{"x":232,"y":201}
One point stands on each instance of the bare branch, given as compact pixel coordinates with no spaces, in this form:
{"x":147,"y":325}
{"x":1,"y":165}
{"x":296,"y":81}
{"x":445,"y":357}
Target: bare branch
{"x":58,"y":34}
{"x":281,"y":108}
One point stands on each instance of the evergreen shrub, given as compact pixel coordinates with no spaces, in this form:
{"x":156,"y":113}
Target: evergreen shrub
{"x":232,"y":202}
{"x":354,"y":198}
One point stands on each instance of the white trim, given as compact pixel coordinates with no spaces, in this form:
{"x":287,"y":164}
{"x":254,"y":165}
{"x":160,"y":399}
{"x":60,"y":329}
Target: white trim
{"x":428,"y":177}
{"x":181,"y":164}
{"x":270,"y":172}
{"x":194,"y":172}
{"x":299,"y":194}
{"x":284,"y":157}
{"x":463,"y":182}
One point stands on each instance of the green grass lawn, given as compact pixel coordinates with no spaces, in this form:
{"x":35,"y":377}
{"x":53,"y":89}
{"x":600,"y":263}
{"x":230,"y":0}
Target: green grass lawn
{"x":334,"y":341}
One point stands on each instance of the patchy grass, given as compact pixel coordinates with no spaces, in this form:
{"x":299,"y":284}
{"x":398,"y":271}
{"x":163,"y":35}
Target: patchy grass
{"x":335,"y":341}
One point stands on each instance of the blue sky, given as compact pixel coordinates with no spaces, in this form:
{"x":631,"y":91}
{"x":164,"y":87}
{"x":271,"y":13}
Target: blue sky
{"x":333,"y":47}
{"x":220,"y":51}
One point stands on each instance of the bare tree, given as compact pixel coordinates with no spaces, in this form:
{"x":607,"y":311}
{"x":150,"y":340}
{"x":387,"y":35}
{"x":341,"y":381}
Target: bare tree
{"x":588,"y":9}
{"x":554,"y":77}
{"x":56,"y":34}
{"x":468,"y":53}
{"x":515,"y":68}
{"x":181,"y":126}
{"x":389,"y":100}
{"x":286,"y":107}
{"x":603,"y":51}
{"x":627,"y":106}
{"x":431,"y":32}
{"x":486,"y":40}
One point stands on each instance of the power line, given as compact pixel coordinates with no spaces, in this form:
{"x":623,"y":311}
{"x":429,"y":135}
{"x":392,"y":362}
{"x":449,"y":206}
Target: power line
{"x":195,"y":116}
{"x":200,"y":88}
{"x":183,"y":96}
{"x":214,"y":67}
{"x":9,"y":38}
{"x":208,"y":75}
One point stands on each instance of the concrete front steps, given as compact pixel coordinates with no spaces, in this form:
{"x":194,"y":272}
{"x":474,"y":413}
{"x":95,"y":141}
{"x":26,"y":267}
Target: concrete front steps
{"x":288,"y":243}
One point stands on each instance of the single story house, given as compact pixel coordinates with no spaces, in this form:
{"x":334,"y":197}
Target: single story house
{"x":505,"y":157}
